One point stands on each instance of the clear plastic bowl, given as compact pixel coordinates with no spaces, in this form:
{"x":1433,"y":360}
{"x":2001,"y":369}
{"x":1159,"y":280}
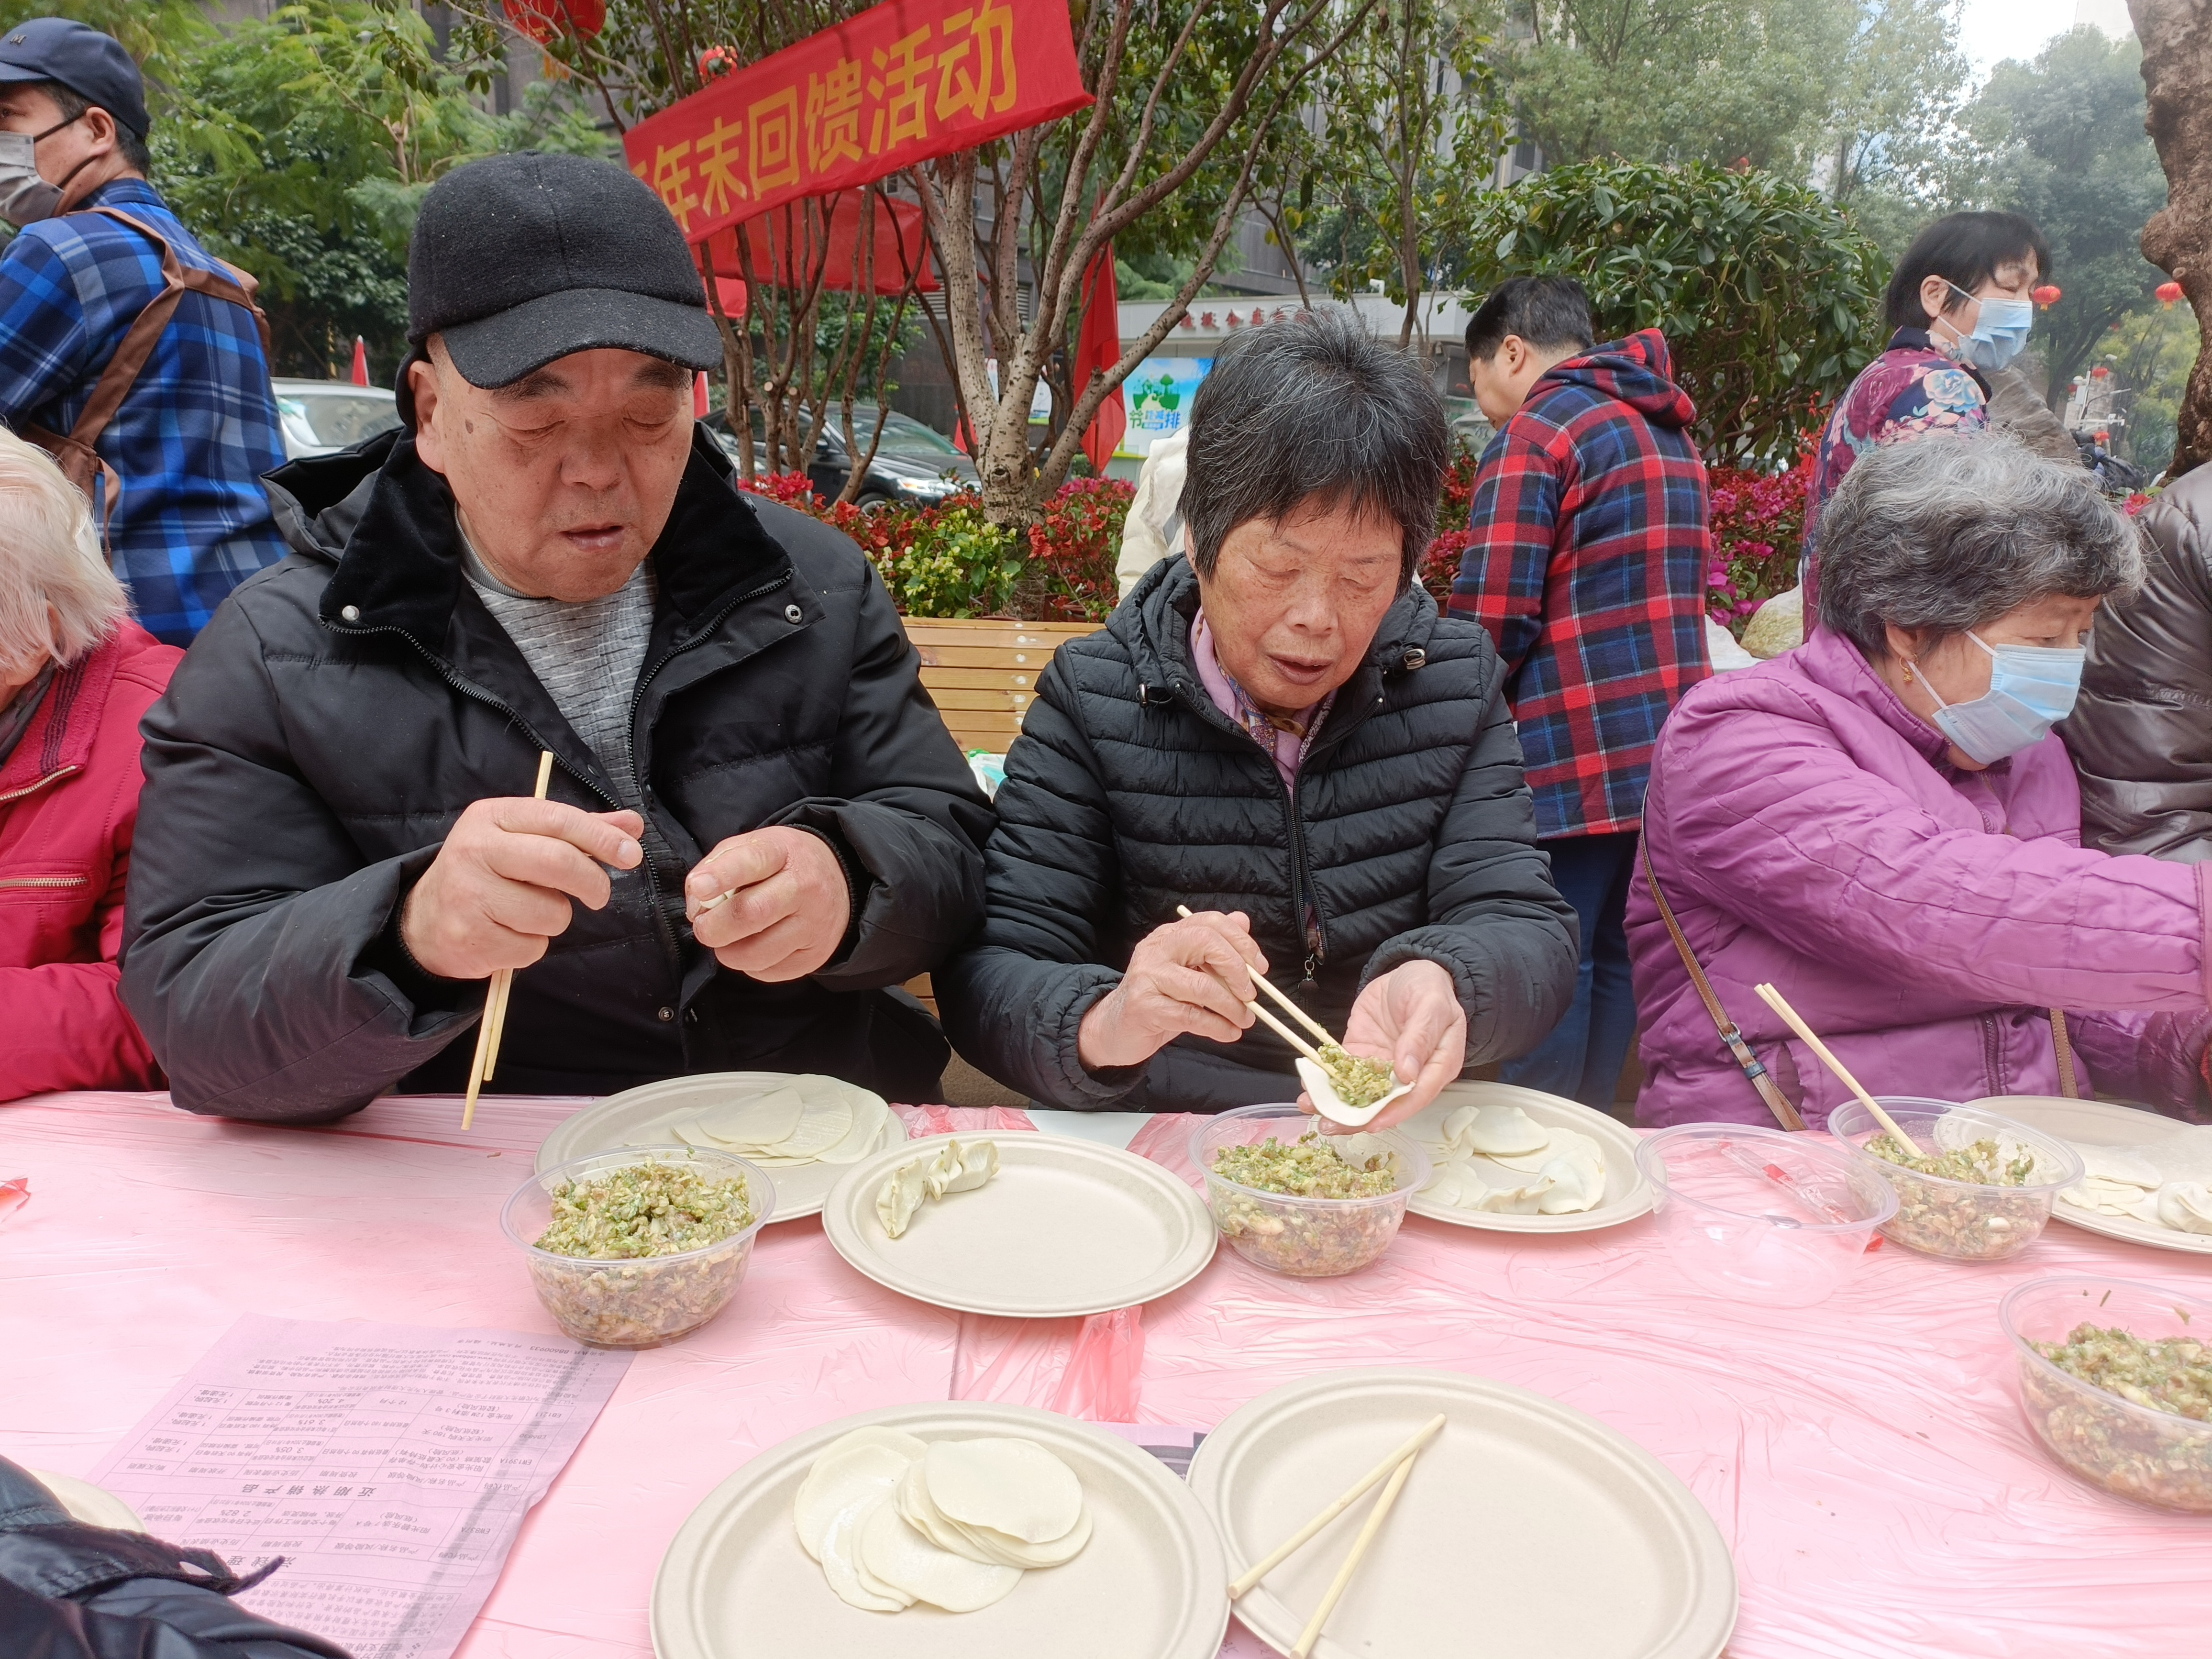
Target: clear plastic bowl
{"x":1960,"y":1220}
{"x":1759,"y":1217}
{"x":2137,"y":1452}
{"x":1303,"y":1237}
{"x":644,"y":1302}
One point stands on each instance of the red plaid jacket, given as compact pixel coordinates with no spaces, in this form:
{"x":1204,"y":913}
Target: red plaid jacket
{"x":1588,"y":566}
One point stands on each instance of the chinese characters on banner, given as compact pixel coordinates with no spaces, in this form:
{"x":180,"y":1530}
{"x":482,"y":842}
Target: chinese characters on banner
{"x":900,"y":82}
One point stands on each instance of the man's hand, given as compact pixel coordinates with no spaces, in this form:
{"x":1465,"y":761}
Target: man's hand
{"x":1191,"y":975}
{"x":1412,"y":1017}
{"x":788,"y":912}
{"x":500,"y":886}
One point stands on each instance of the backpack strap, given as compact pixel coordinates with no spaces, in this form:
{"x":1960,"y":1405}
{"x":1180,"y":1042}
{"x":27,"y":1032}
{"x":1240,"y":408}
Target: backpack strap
{"x":1777,"y":1103}
{"x":2069,"y":1082}
{"x":78,"y":460}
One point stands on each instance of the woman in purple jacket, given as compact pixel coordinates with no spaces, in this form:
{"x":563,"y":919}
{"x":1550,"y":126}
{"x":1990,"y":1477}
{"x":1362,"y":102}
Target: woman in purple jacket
{"x":1880,"y":823}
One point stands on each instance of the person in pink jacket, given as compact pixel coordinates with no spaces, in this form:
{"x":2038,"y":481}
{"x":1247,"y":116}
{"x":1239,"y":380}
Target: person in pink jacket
{"x":75,"y":675}
{"x":1881,"y":823}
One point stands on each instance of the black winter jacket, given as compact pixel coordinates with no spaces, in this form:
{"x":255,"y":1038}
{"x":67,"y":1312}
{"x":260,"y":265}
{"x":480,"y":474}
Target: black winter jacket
{"x":1412,"y":835}
{"x":342,"y":709}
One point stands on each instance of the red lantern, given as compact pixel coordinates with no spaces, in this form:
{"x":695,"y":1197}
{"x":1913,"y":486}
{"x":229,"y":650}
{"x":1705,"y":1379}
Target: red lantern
{"x":2047,"y":296}
{"x":2167,"y":294}
{"x":2100,"y":372}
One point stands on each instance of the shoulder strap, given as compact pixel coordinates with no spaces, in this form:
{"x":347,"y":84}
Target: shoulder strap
{"x":2069,"y":1084}
{"x":78,"y":458}
{"x":1777,"y":1101}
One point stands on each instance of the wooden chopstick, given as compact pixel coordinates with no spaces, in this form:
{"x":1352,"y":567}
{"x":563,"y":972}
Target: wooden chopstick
{"x":1774,"y":999}
{"x":1376,"y":1516}
{"x":1283,"y":1552}
{"x":1296,"y":1012}
{"x":493,"y":1025}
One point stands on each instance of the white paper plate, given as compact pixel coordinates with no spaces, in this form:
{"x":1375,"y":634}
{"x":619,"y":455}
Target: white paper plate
{"x":1627,"y":1194}
{"x":1066,"y":1227}
{"x":95,"y":1506}
{"x":644,"y":1114}
{"x":1527,"y":1528}
{"x":1151,"y":1583}
{"x":2101,"y":1123}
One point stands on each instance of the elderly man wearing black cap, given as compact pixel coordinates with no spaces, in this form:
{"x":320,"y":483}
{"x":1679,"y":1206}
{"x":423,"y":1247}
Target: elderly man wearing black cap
{"x":126,"y":348}
{"x":757,"y":823}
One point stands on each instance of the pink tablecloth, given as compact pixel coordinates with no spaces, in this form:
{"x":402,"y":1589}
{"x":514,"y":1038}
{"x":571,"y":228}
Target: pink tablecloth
{"x":1864,"y":1459}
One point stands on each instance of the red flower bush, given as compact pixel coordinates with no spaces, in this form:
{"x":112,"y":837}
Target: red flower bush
{"x":1758,"y":527}
{"x":1076,"y":546}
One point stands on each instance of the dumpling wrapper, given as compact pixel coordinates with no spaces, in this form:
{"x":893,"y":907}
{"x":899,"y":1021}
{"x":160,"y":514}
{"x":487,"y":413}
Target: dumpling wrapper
{"x":1463,"y":1183}
{"x":2185,"y":1207}
{"x":820,"y":1128}
{"x":865,"y":1135}
{"x":762,"y":1123}
{"x":901,"y":1195}
{"x":1323,"y":1094}
{"x":841,"y":1562}
{"x":2116,"y":1164}
{"x":845,"y":1473}
{"x":982,"y":1543}
{"x":1012,"y":1486}
{"x":889,"y":1550}
{"x":1504,"y":1132}
{"x":2113,"y":1197}
{"x":1361,"y":1149}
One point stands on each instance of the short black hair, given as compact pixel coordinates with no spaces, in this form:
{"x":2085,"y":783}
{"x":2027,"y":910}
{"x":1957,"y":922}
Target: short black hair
{"x":1549,"y":312}
{"x":72,"y":105}
{"x":1314,"y":412}
{"x":1964,"y":249}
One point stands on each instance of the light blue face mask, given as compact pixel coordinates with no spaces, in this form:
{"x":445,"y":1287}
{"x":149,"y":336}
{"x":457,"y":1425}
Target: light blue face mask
{"x":2032,"y":689}
{"x":2000,"y":332}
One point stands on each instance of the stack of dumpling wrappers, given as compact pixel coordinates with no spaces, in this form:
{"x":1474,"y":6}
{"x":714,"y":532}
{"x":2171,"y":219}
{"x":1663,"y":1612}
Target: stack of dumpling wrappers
{"x":813,"y":1119}
{"x":2141,"y":1183}
{"x":1498,"y":1159}
{"x":895,"y":1520}
{"x":951,"y":1169}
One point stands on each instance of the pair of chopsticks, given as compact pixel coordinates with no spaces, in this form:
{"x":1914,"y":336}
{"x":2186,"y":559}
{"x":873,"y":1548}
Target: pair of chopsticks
{"x":493,"y":1025}
{"x":1773,"y":999}
{"x":1397,"y":1466}
{"x":1296,"y":1012}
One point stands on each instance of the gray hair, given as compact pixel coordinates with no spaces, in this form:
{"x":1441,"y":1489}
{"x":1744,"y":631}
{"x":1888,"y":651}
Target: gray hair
{"x":1946,"y":532}
{"x":57,"y":597}
{"x":1314,"y":413}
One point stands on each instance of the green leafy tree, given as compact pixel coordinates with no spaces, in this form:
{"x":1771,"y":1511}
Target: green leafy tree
{"x":1764,"y":289}
{"x":2063,"y":143}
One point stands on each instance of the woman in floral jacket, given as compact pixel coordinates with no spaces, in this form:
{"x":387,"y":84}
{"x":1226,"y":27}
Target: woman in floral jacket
{"x":1960,"y":303}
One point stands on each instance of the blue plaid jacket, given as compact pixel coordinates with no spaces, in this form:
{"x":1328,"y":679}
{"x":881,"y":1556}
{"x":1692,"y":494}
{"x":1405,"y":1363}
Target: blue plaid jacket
{"x":198,"y":429}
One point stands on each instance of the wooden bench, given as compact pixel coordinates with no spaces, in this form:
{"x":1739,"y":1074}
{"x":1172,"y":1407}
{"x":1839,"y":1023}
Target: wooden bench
{"x":983,"y":674}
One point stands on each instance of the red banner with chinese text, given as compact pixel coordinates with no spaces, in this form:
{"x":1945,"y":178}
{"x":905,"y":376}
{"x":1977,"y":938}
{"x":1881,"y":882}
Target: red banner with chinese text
{"x":899,"y":84}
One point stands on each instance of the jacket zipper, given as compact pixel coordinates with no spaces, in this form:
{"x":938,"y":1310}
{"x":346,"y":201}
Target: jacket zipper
{"x":45,"y":881}
{"x":33,"y":788}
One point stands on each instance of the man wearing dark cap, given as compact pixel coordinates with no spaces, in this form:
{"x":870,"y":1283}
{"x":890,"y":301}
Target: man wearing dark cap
{"x":149,"y":385}
{"x":757,"y":823}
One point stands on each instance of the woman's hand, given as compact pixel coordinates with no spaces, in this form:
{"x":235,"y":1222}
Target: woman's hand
{"x":1192,"y":975}
{"x":1412,"y":1017}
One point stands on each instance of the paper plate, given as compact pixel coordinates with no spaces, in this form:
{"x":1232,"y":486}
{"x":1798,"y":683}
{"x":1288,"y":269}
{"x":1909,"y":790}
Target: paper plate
{"x":1066,"y":1227}
{"x":1627,"y":1194}
{"x":1525,"y":1527}
{"x":641,"y":1116}
{"x":1151,"y":1583}
{"x":2099,"y":1123}
{"x":95,"y":1506}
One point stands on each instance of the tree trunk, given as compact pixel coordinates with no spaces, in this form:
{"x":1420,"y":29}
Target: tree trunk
{"x":2177,"y":71}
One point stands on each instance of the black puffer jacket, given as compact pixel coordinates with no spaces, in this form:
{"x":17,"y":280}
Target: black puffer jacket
{"x":1412,"y":834}
{"x":2141,"y":736}
{"x":345,"y":706}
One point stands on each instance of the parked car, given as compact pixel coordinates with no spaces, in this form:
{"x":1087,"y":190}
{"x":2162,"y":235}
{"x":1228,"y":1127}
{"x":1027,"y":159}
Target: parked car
{"x":914,"y":463}
{"x":321,"y":417}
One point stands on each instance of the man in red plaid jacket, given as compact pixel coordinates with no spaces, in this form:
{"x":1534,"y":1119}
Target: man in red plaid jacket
{"x":1588,"y":565}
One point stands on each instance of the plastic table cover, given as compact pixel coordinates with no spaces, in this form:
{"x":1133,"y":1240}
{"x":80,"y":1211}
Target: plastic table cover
{"x":1864,"y":1459}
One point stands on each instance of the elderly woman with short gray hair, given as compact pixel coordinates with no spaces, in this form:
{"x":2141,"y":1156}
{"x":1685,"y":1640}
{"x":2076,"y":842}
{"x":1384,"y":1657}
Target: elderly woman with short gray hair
{"x":76,"y":676}
{"x":1282,"y":734}
{"x":1881,"y":824}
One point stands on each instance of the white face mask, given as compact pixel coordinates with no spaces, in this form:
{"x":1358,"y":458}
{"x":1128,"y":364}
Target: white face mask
{"x":26,"y":197}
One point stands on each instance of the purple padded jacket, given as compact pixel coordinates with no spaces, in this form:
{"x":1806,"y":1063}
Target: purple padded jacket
{"x":1807,"y":830}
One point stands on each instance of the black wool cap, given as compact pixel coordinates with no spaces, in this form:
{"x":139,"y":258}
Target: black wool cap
{"x":520,"y":259}
{"x":91,"y":64}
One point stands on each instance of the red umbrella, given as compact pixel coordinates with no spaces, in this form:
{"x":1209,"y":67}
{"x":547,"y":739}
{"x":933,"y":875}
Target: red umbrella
{"x":360,"y":361}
